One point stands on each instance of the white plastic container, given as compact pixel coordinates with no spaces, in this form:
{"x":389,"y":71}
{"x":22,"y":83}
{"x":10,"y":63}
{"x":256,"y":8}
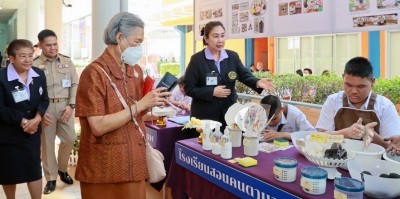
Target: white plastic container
{"x":285,"y":169}
{"x":236,"y":137}
{"x":206,"y":144}
{"x":250,"y":146}
{"x":216,"y":148}
{"x":226,"y":150}
{"x":348,"y":188}
{"x":313,"y":180}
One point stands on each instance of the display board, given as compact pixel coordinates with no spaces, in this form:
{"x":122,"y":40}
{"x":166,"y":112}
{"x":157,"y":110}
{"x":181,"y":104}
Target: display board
{"x":278,"y":18}
{"x":366,"y":15}
{"x":249,"y":19}
{"x":206,"y":11}
{"x":302,"y":17}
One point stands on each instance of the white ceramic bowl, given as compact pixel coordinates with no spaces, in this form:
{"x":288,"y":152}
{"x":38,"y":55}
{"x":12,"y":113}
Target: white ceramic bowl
{"x":375,"y":186}
{"x":296,"y":136}
{"x":371,"y":151}
{"x":392,"y":158}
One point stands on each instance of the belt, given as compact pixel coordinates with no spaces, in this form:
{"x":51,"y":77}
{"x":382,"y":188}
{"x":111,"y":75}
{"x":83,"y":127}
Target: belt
{"x":56,"y":100}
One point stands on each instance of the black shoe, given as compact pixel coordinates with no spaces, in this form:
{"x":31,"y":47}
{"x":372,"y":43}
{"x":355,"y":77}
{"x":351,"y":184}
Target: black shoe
{"x":65,"y":177}
{"x":50,"y":187}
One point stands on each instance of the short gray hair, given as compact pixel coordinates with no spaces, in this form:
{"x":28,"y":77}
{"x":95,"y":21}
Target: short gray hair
{"x":123,"y":22}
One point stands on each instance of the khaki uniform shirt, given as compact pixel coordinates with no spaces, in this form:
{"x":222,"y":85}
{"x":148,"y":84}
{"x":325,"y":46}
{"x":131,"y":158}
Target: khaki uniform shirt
{"x":57,"y":70}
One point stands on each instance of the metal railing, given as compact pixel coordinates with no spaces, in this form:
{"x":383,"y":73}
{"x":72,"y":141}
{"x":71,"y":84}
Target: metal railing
{"x":245,"y":98}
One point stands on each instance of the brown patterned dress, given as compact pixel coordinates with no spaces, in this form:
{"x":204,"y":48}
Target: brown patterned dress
{"x":118,"y":156}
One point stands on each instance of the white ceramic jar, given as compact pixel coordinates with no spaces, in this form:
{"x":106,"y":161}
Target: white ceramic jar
{"x":285,"y":169}
{"x":348,"y":188}
{"x":313,"y":180}
{"x":250,"y":146}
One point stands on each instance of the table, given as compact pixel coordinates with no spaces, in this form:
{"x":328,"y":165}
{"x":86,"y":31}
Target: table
{"x":163,"y":139}
{"x":197,"y":172}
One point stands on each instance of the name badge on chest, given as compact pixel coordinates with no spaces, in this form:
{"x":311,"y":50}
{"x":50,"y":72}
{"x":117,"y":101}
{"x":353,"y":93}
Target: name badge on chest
{"x":20,"y":95}
{"x":211,"y":79}
{"x":66,"y":83}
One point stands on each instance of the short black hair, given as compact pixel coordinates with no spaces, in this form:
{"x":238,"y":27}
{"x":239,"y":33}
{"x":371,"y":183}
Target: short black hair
{"x":274,"y":102}
{"x":46,"y":33}
{"x":205,"y":31}
{"x":17,"y":44}
{"x":180,"y":81}
{"x":309,"y":70}
{"x":359,"y":67}
{"x":299,"y":72}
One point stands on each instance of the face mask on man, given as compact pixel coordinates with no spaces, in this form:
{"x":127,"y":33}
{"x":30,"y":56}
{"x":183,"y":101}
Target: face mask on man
{"x":132,"y":54}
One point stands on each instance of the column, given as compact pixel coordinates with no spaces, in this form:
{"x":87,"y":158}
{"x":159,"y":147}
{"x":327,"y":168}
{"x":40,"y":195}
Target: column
{"x":249,"y":47}
{"x":33,"y":19}
{"x":53,"y":18}
{"x":182,"y":35}
{"x":102,"y":12}
{"x":374,"y":52}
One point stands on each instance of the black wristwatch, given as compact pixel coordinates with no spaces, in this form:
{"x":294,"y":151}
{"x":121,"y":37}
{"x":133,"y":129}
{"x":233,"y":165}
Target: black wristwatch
{"x":72,"y":106}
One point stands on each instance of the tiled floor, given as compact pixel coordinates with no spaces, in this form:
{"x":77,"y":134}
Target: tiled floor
{"x":64,"y":191}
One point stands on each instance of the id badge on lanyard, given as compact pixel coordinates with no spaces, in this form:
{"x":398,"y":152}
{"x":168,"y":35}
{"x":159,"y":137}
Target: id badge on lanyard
{"x":66,"y":83}
{"x":19,"y":95}
{"x":212,"y":79}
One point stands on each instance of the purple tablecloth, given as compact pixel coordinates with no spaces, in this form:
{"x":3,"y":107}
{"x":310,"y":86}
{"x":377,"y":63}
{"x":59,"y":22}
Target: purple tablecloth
{"x":163,"y":139}
{"x":183,"y":182}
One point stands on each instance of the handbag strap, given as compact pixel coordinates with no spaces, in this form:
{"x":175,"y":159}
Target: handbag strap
{"x":123,"y":102}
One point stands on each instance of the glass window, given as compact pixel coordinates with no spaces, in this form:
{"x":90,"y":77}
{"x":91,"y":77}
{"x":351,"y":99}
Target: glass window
{"x":347,"y":47}
{"x":319,"y":52}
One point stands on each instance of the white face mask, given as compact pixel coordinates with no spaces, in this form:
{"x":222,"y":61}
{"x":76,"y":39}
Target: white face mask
{"x":132,"y":54}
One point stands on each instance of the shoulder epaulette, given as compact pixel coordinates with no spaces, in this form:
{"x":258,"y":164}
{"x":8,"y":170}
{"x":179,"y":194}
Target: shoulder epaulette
{"x":63,"y":55}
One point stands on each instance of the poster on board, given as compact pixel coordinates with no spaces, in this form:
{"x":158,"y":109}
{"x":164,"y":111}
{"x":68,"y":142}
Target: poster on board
{"x":206,"y":11}
{"x":249,"y":18}
{"x":302,"y":17}
{"x":366,"y":15}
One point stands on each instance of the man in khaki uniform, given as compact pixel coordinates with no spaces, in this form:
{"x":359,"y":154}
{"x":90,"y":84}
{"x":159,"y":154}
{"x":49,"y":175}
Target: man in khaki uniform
{"x":62,"y":83}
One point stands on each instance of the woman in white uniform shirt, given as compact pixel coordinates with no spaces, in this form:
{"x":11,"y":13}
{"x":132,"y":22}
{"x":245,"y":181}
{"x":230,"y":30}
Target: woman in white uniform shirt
{"x":285,"y":120}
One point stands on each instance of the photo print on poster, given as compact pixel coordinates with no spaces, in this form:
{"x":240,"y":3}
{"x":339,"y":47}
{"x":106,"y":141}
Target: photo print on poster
{"x":310,"y":6}
{"x":359,"y":5}
{"x":375,"y":20}
{"x":259,"y":25}
{"x":295,"y":7}
{"x":258,"y":7}
{"x":283,"y":9}
{"x":388,"y":4}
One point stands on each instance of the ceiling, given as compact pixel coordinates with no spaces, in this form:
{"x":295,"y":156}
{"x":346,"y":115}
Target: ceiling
{"x":9,"y":7}
{"x":6,"y":14}
{"x":164,"y":12}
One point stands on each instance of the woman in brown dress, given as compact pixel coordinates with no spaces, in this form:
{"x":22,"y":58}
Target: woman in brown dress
{"x":112,"y":153}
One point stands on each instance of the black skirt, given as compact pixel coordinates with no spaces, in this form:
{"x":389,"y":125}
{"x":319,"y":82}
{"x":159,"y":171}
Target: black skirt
{"x":20,"y":163}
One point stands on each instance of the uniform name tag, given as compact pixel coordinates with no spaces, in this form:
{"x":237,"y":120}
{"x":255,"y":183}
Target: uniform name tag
{"x":20,"y":95}
{"x":66,"y":83}
{"x":211,"y":79}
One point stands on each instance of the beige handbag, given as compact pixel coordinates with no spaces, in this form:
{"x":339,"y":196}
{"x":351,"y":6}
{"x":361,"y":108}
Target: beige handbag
{"x":154,"y":158}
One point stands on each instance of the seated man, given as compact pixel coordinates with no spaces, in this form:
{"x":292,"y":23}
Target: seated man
{"x":179,"y":97}
{"x":346,"y":112}
{"x":286,"y":119}
{"x":307,"y":72}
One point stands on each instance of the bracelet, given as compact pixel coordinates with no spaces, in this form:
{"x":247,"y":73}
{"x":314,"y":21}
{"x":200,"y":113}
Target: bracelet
{"x":130,"y":110}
